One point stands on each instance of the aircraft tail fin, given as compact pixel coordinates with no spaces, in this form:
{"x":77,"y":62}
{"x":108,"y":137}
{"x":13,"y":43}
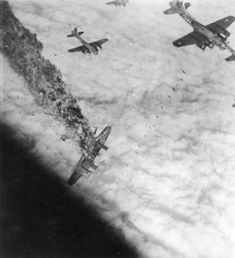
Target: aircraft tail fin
{"x":187,"y":5}
{"x":170,"y":11}
{"x":231,"y":58}
{"x":177,"y":5}
{"x":75,"y":32}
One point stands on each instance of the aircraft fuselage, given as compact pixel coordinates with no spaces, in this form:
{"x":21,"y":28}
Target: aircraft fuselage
{"x":197,"y":26}
{"x":90,"y":48}
{"x":214,"y":38}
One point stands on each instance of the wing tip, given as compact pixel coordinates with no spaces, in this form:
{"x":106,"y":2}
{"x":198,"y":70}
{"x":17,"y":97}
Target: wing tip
{"x":104,"y":40}
{"x":73,"y":50}
{"x":230,"y":58}
{"x":74,"y":178}
{"x":71,"y":181}
{"x":177,"y":43}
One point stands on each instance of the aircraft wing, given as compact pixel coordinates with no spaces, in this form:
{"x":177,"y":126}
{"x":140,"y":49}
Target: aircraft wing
{"x":222,"y":24}
{"x":82,"y":167}
{"x":112,"y":2}
{"x":190,"y":39}
{"x":78,"y":49}
{"x":102,"y":137}
{"x":98,"y":42}
{"x":117,"y":3}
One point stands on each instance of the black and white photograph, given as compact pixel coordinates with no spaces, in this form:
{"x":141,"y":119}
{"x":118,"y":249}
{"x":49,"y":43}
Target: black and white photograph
{"x":117,"y":129}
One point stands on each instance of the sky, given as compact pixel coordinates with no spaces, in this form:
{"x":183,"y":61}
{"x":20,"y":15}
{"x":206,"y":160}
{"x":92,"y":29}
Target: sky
{"x":167,"y":179}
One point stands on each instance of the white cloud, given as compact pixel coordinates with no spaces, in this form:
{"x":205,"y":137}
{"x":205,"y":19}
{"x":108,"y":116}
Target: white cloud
{"x":171,"y":158}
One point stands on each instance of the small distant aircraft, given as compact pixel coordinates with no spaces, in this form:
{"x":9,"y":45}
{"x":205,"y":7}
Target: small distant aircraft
{"x":214,"y":34}
{"x":86,"y":48}
{"x":87,"y":161}
{"x":118,"y":2}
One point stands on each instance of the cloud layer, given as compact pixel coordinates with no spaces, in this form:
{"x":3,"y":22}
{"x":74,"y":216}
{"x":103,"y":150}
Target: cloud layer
{"x":167,"y":179}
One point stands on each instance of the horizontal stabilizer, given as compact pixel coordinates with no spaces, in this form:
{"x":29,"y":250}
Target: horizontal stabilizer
{"x":75,"y":32}
{"x":100,"y":145}
{"x":170,"y":11}
{"x":230,"y":58}
{"x":187,"y":5}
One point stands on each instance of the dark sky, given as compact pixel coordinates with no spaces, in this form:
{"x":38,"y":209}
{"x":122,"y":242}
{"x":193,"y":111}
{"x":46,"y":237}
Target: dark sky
{"x":170,"y":161}
{"x":39,"y":218}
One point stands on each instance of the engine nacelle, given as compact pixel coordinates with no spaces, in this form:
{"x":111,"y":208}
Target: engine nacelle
{"x":224,"y":34}
{"x":93,"y":165}
{"x":86,"y":51}
{"x":202,"y":46}
{"x":211,"y":45}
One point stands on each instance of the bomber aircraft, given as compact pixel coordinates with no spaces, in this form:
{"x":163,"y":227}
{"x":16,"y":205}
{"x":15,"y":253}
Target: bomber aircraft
{"x":118,"y":2}
{"x":214,"y":34}
{"x":87,"y":161}
{"x":86,"y":48}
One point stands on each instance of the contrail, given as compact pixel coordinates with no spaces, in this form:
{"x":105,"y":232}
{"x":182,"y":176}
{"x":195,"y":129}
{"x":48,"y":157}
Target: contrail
{"x":44,"y":80}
